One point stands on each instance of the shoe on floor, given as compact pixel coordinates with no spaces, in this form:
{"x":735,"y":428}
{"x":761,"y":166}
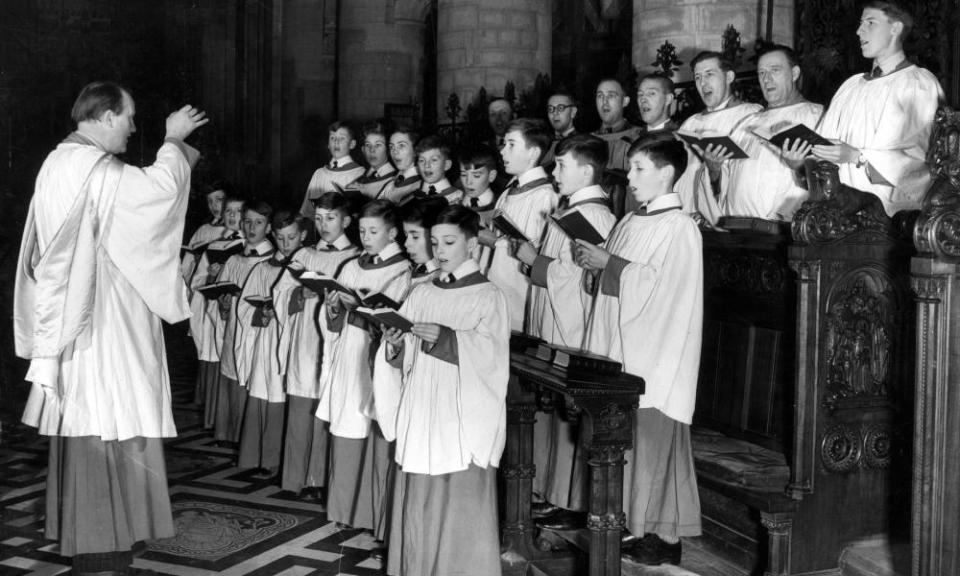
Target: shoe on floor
{"x":563,"y":520}
{"x":540,"y":509}
{"x":652,"y":551}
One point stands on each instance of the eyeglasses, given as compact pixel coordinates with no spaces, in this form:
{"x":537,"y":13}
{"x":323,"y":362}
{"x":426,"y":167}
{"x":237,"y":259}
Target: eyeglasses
{"x":559,"y":108}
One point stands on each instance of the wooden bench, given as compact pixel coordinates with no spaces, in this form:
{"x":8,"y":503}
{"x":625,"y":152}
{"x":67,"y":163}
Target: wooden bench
{"x":805,"y":384}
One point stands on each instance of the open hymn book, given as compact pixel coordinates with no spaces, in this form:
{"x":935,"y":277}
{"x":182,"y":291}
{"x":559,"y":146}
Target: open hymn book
{"x":319,"y":282}
{"x":386,"y":316}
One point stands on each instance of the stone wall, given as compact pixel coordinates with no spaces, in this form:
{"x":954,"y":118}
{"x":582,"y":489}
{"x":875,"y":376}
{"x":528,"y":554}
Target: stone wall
{"x":695,"y":25}
{"x":489,"y":43}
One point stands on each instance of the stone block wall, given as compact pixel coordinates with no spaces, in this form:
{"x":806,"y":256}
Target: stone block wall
{"x":489,"y":43}
{"x":695,"y":25}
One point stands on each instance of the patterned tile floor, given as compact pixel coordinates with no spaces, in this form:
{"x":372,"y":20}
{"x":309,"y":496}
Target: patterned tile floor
{"x":230,"y":522}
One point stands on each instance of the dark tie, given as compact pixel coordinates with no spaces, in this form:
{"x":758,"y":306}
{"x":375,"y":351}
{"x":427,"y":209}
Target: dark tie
{"x":564,"y":203}
{"x":512,"y":186}
{"x":329,"y":248}
{"x":421,"y":269}
{"x":333,"y":164}
{"x":876,"y":72}
{"x":474,"y":202}
{"x":641,"y":210}
{"x":377,"y":259}
{"x":450,"y":278}
{"x":432,"y":191}
{"x":398,"y":181}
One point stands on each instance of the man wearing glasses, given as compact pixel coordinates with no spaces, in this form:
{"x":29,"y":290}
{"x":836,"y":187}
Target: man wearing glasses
{"x":561,"y":110}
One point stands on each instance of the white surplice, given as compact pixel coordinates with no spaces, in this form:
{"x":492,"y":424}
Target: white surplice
{"x":695,"y":196}
{"x":763,"y":186}
{"x":889,"y":119}
{"x":345,"y":376}
{"x":255,"y":347}
{"x":99,"y":268}
{"x":300,"y":343}
{"x":235,"y":269}
{"x":206,"y":233}
{"x":655,"y":325}
{"x":446,"y":416}
{"x":529,"y":210}
{"x":327,"y":179}
{"x":558,"y":312}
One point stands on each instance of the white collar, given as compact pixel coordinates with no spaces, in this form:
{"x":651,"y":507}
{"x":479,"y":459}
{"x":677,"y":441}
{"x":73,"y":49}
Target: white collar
{"x":466,"y":268}
{"x":384,"y":170}
{"x":262,"y":248}
{"x":439,"y":186}
{"x":535,"y":173}
{"x":389,"y":251}
{"x":483,"y":199}
{"x":669,"y":200}
{"x":659,"y":126}
{"x":339,"y":243}
{"x":411,"y":171}
{"x":592,"y":191}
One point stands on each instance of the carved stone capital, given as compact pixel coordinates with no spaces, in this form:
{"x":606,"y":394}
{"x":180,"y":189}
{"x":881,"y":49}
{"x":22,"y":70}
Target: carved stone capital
{"x":520,"y":471}
{"x":608,"y":521}
{"x":929,"y":288}
{"x":775,"y":525}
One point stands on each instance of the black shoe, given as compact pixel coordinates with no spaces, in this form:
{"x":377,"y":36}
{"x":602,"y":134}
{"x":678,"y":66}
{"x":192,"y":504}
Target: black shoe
{"x":312,"y":494}
{"x":627,"y":539}
{"x":540,"y":509}
{"x":652,"y":551}
{"x":563,"y":520}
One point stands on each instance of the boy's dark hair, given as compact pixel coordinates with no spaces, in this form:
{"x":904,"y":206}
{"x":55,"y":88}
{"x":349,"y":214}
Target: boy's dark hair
{"x":431,"y":142}
{"x":285,"y":218}
{"x":423,"y":211}
{"x":233,"y":197}
{"x":462,"y":217}
{"x":586,"y":149}
{"x":722,"y":61}
{"x":333,"y":201}
{"x":260,"y":207}
{"x":412,"y":132}
{"x":478,"y":156}
{"x":382,"y":209}
{"x":96,"y":98}
{"x":787,"y":52}
{"x":665,"y":83}
{"x":344,"y":125}
{"x":661,"y":149}
{"x":534,"y":132}
{"x":375,"y":127}
{"x":895,"y":13}
{"x":208,"y":188}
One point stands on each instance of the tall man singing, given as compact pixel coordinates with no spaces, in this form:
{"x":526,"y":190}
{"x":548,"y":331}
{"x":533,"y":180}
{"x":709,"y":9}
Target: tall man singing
{"x":98,"y":271}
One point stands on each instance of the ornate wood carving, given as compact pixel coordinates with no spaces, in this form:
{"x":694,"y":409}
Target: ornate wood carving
{"x":837,"y":212}
{"x":937,"y":229}
{"x":744,"y":272}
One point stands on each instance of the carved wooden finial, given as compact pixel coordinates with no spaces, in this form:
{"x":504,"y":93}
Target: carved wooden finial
{"x":937,"y":230}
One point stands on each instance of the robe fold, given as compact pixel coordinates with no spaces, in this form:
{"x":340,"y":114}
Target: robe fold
{"x":889,"y":119}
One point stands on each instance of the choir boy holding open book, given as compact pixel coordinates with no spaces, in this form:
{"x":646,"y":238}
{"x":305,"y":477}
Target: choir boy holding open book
{"x":648,"y":315}
{"x":524,"y":206}
{"x":359,"y":462}
{"x":441,"y":392}
{"x":561,"y":298}
{"x":306,"y":438}
{"x":255,"y":345}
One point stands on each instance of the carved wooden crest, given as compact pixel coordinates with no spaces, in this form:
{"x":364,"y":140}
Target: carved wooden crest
{"x":937,"y":230}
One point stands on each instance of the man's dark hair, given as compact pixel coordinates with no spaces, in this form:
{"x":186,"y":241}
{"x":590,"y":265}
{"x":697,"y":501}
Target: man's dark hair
{"x":725,"y":64}
{"x":662,"y":149}
{"x":569,"y":95}
{"x":665,"y":82}
{"x":96,"y":98}
{"x":478,"y":156}
{"x":462,"y":217}
{"x":534,"y":133}
{"x":894,"y":12}
{"x":586,"y":149}
{"x":375,"y":127}
{"x":620,"y":83}
{"x":787,"y":52}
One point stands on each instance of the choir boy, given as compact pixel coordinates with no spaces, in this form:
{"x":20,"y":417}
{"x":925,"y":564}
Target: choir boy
{"x":418,"y":217}
{"x":527,"y":202}
{"x":231,"y":397}
{"x":403,"y":153}
{"x":380,"y":172}
{"x":433,"y":162}
{"x":306,"y":439}
{"x":560,"y":302}
{"x":206,"y":233}
{"x":648,"y":315}
{"x":478,"y":170}
{"x":359,"y":459}
{"x":341,"y":170}
{"x":204,"y":319}
{"x":256,"y":349}
{"x":443,"y":398}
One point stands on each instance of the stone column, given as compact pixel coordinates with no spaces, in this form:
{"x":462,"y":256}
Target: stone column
{"x":486,"y":43}
{"x":696,"y":25}
{"x":380,"y":55}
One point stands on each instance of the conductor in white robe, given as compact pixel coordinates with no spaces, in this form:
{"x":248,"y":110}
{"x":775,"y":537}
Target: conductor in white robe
{"x":98,"y":271}
{"x":880,"y":122}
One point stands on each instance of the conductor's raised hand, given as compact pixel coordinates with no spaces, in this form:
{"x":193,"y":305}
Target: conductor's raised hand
{"x":590,"y":256}
{"x":184,"y":121}
{"x":426,"y":331}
